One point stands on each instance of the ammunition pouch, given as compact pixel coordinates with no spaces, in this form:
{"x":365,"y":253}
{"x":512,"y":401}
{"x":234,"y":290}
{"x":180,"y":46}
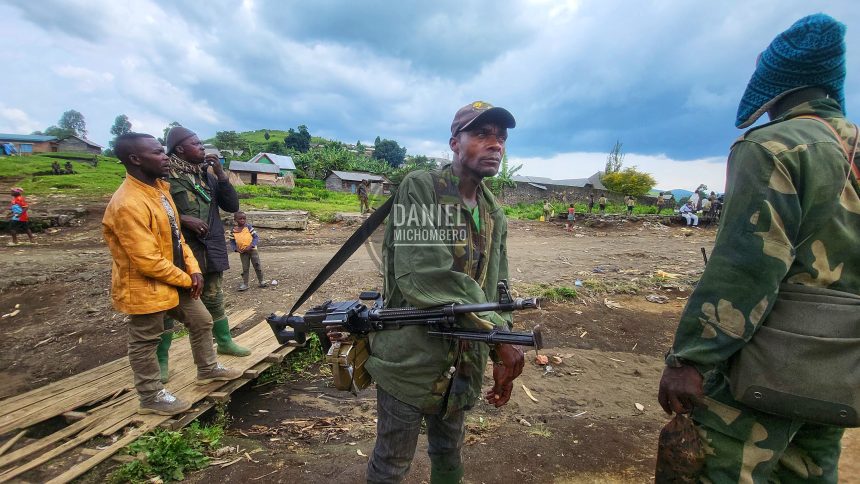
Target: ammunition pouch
{"x":804,"y":362}
{"x":347,"y":358}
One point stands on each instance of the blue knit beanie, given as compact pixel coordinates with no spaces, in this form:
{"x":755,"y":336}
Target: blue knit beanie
{"x":811,"y":53}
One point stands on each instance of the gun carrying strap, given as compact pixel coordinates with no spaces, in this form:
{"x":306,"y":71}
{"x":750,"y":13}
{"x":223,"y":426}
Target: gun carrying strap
{"x":846,"y":148}
{"x":346,"y":250}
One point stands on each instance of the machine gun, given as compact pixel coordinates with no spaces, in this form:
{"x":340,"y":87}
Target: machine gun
{"x":349,"y":323}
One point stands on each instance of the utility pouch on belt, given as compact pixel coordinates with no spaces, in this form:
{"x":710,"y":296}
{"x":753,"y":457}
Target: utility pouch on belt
{"x":804,"y":362}
{"x":347,"y":358}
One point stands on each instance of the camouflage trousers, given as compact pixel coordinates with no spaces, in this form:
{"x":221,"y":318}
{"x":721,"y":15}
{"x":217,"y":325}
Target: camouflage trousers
{"x":744,"y":445}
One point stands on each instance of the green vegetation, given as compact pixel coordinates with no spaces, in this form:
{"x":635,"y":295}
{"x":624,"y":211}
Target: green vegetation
{"x":540,"y":430}
{"x":534,"y":211}
{"x":309,"y":195}
{"x":629,"y":181}
{"x":555,"y":293}
{"x":297,"y":363}
{"x":169,"y":454}
{"x":33,"y":174}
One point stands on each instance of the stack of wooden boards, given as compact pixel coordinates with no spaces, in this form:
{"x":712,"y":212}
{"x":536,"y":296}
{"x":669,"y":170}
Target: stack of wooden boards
{"x":101,"y":403}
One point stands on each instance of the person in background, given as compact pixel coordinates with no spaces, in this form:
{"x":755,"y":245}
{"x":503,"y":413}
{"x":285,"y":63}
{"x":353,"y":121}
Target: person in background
{"x":362,"y":196}
{"x":244,"y":240}
{"x":590,"y":202}
{"x":661,"y":202}
{"x":571,"y":217}
{"x":601,"y":203}
{"x":631,"y":202}
{"x":689,"y":213}
{"x":20,"y":220}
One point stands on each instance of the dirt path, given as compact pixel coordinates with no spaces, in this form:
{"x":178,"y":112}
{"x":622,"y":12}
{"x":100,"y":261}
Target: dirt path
{"x":585,"y":426}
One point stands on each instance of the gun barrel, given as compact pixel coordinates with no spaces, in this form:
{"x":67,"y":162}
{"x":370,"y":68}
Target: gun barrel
{"x":533,"y":338}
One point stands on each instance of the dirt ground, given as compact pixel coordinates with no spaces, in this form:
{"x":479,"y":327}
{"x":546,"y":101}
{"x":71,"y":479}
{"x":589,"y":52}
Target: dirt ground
{"x":586,"y":425}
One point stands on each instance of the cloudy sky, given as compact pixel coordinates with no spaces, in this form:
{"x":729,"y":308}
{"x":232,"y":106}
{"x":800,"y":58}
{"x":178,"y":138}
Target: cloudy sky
{"x":664,"y":76}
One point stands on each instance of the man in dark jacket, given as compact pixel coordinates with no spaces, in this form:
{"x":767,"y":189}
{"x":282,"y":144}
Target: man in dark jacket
{"x":199,"y":193}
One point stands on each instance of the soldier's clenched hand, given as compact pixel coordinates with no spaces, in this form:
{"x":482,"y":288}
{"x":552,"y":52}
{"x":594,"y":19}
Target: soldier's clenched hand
{"x":680,"y":389}
{"x":504,"y":373}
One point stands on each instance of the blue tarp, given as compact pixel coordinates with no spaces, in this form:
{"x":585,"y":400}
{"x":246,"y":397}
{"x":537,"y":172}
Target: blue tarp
{"x":9,"y":149}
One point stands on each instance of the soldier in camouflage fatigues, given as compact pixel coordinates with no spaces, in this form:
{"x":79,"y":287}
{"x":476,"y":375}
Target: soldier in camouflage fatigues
{"x":445,"y":242}
{"x":792,"y":215}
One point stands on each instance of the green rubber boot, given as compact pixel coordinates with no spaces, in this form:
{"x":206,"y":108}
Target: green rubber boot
{"x":162,"y":354}
{"x":443,"y":475}
{"x":226,"y":346}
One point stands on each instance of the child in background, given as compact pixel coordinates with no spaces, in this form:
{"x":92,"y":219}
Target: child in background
{"x":244,"y":240}
{"x":571,"y":217}
{"x":20,"y":218}
{"x":601,"y":202}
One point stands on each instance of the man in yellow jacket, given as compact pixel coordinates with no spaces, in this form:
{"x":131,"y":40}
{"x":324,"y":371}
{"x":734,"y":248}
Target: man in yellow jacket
{"x":155,"y":273}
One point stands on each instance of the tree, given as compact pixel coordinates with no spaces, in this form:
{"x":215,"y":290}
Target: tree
{"x":389,"y":151}
{"x":629,"y":181}
{"x":267,"y":135}
{"x":73,"y":121}
{"x":505,"y":178}
{"x":275,"y":147}
{"x":228,"y":140}
{"x":121,"y":126}
{"x":299,"y":141}
{"x":58,"y":132}
{"x":615,"y":159}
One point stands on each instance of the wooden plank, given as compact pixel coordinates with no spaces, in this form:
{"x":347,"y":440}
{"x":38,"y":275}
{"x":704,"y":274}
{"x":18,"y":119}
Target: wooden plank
{"x":8,"y":445}
{"x":73,"y":416}
{"x":192,"y":415}
{"x":251,"y":373}
{"x":219,"y":397}
{"x":115,"y":415}
{"x":93,"y":461}
{"x":84,"y":382}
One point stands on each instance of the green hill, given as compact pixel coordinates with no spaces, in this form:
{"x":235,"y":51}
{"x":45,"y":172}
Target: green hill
{"x":33,"y":174}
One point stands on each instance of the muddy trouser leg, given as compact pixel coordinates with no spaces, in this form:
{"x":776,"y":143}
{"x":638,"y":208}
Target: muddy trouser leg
{"x":397,"y":427}
{"x":194,"y":315}
{"x":745,"y":445}
{"x":213,"y":296}
{"x":255,"y":261}
{"x":445,"y":439}
{"x":144,"y":334}
{"x":246,"y":262}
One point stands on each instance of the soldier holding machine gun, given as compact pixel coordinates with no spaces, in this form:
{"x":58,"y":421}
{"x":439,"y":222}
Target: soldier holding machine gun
{"x":436,"y":257}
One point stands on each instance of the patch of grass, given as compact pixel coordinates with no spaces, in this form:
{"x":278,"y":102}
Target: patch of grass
{"x":33,"y":173}
{"x":534,"y":211}
{"x":556,"y":293}
{"x":297,"y":364}
{"x":169,"y":454}
{"x":541,"y":430}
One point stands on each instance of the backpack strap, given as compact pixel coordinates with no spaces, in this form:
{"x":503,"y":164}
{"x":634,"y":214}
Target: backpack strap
{"x":849,"y":152}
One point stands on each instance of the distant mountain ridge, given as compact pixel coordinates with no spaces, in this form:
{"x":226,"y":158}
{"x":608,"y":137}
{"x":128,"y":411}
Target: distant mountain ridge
{"x":678,"y":192}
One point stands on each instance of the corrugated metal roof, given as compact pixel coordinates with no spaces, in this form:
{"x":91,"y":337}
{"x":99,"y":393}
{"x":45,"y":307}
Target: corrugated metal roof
{"x":594,"y":180}
{"x":33,"y":138}
{"x":254,"y":167}
{"x":282,"y":161}
{"x":358,"y":176}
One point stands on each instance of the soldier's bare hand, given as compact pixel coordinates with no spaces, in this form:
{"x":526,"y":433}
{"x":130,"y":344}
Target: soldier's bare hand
{"x":680,"y":389}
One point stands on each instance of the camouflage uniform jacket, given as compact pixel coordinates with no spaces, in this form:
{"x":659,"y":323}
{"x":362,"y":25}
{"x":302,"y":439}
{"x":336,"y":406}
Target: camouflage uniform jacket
{"x":408,"y":363}
{"x":211,"y":250}
{"x":792,"y":215}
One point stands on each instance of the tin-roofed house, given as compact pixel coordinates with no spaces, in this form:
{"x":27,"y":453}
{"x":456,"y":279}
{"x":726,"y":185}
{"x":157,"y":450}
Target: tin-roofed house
{"x":284,"y":163}
{"x":78,"y":144}
{"x":348,"y":181}
{"x":255,"y":173}
{"x":27,"y":144}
